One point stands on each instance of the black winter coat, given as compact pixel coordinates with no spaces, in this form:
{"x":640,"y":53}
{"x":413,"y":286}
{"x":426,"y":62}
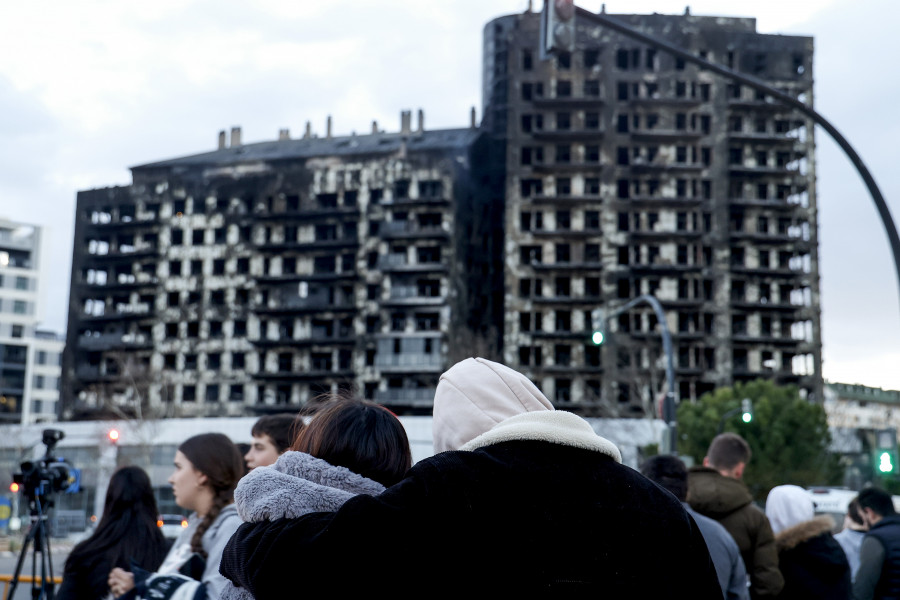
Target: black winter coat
{"x":518,"y":517}
{"x":813,"y":563}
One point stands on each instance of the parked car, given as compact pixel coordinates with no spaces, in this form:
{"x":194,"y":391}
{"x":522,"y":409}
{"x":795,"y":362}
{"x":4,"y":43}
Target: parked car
{"x":171,"y":525}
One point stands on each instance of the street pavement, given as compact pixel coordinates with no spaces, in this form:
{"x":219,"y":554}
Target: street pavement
{"x":8,"y":560}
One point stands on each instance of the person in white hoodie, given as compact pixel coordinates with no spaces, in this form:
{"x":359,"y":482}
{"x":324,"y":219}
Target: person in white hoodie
{"x":520,"y":499}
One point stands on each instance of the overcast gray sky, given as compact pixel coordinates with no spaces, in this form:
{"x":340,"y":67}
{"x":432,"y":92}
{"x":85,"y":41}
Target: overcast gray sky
{"x":92,"y":87}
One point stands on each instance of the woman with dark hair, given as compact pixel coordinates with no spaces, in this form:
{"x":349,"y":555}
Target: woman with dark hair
{"x":127,"y":533}
{"x":350,"y":447}
{"x":207,"y":468}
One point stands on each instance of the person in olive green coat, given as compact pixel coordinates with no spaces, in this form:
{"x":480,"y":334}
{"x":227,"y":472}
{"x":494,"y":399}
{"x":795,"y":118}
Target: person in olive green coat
{"x":715,"y":490}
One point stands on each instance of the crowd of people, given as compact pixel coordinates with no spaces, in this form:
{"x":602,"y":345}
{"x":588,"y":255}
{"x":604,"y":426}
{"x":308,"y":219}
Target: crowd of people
{"x":518,"y":498}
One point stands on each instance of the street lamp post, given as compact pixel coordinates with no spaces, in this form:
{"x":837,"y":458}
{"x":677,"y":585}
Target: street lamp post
{"x":669,"y":414}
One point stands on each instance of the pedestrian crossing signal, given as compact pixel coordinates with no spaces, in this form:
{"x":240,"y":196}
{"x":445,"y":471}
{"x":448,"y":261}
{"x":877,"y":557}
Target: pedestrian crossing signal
{"x":885,"y":464}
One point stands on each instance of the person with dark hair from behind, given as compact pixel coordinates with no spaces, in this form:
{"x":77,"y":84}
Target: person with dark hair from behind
{"x":879,"y":553}
{"x":520,"y":500}
{"x":851,"y":537}
{"x":127,"y":533}
{"x":810,"y":560}
{"x":670,"y":473}
{"x":207,"y":469}
{"x":272,"y":436}
{"x":350,"y":447}
{"x":716,"y":491}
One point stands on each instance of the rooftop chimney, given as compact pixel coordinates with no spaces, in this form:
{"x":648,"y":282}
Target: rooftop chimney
{"x":405,"y":122}
{"x":235,"y":137}
{"x":284,"y":134}
{"x":328,"y":127}
{"x":374,"y":127}
{"x":308,"y":132}
{"x":222,"y":140}
{"x":421,"y":115}
{"x":472,"y":122}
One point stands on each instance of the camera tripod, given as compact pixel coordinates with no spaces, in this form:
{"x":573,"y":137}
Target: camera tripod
{"x":39,"y":535}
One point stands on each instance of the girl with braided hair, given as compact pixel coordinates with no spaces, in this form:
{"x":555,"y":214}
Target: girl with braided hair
{"x":207,"y":469}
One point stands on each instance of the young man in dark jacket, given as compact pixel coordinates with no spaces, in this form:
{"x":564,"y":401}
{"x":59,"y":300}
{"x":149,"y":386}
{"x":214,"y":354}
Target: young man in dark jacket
{"x":879,"y":554}
{"x":533,"y":503}
{"x":716,"y":491}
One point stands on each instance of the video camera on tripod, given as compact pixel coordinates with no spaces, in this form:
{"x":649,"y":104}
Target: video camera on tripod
{"x":45,"y":476}
{"x":39,"y":480}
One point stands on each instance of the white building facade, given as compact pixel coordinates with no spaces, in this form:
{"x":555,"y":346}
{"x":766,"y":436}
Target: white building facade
{"x":29,"y":358}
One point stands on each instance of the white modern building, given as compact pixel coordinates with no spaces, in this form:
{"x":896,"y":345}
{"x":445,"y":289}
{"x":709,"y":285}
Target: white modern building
{"x":29,"y":357}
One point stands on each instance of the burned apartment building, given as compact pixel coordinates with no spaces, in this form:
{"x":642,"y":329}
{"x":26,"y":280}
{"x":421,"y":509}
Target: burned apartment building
{"x":630,"y":172}
{"x":256,"y":277}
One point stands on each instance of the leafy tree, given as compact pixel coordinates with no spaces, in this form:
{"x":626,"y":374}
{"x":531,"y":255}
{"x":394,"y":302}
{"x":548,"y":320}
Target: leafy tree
{"x":788,"y":435}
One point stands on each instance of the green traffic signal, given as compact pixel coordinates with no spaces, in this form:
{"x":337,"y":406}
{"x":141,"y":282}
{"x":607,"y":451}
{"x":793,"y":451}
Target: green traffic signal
{"x":885,"y":464}
{"x":746,"y":410}
{"x":597,"y":338}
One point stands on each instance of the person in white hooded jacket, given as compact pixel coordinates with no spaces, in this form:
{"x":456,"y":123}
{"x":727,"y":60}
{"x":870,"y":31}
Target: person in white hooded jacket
{"x":520,"y":499}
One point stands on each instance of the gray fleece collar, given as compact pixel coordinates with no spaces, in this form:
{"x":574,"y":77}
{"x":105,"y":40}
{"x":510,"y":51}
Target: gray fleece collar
{"x":298,"y":484}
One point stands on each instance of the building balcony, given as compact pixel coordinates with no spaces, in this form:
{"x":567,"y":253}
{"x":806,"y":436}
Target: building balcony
{"x":317,"y":245}
{"x":109,"y":341}
{"x":654,"y":235}
{"x":297,"y":277}
{"x":296,"y":304}
{"x":125,"y":253}
{"x":303,"y":215}
{"x":313,"y":373}
{"x":127,"y":282}
{"x":407,"y":229}
{"x":569,"y":102}
{"x":567,"y":266}
{"x":645,"y":167}
{"x":568,"y":300}
{"x":400,"y":262}
{"x":423,"y":397}
{"x":759,"y":105}
{"x":409,"y":296}
{"x":411,"y":363}
{"x":672,"y":201}
{"x":783,"y":272}
{"x":665,"y":134}
{"x":760,"y":306}
{"x":564,"y":199}
{"x":312,"y":340}
{"x":779,"y":139}
{"x":660,"y":100}
{"x":567,"y":134}
{"x":793,"y":173}
{"x":407,"y":201}
{"x":594,"y":168}
{"x":778,"y":205}
{"x":770,"y":238}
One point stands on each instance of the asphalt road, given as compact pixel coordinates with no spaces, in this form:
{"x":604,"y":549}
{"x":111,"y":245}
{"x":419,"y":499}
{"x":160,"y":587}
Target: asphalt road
{"x":8,"y":566}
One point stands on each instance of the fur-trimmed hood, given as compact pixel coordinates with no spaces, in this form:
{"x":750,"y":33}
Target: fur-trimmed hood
{"x":296,"y":485}
{"x":802,"y":532}
{"x":556,"y":427}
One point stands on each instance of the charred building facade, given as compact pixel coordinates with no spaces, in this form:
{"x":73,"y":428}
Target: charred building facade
{"x":257,"y":276}
{"x":629,"y":172}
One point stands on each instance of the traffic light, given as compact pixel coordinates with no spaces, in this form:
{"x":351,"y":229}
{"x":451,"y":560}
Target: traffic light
{"x":598,"y":327}
{"x":746,"y":410}
{"x":557,"y":27}
{"x":113,"y":436}
{"x":14,"y":487}
{"x":886,"y":452}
